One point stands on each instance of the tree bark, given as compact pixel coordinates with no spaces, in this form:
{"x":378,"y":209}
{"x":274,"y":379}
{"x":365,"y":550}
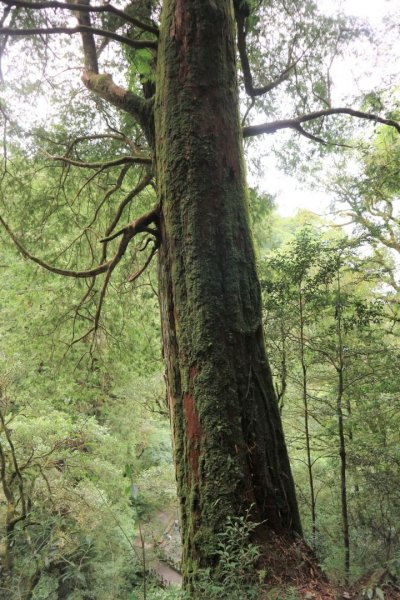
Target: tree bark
{"x":229,"y":447}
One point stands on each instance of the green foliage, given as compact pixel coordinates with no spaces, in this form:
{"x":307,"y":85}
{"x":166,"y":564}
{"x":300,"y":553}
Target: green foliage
{"x":325,"y":286}
{"x":261,"y":209}
{"x":237,"y":574}
{"x":158,"y":593}
{"x":76,"y":425}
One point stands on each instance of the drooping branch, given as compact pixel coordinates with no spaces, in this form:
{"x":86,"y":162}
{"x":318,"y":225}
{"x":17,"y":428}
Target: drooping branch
{"x":137,"y":44}
{"x":156,"y":245}
{"x":66,"y":272}
{"x":104,"y":8}
{"x":139,"y":188}
{"x":295,"y":123}
{"x":127,"y":233}
{"x":120,"y":137}
{"x":102,"y":166}
{"x":310,"y":136}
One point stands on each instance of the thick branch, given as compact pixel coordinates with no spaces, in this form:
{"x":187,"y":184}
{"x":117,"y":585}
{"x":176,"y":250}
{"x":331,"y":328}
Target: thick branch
{"x":135,"y":227}
{"x":295,"y":123}
{"x":108,"y":8}
{"x":240,"y":15}
{"x":138,"y":44}
{"x":89,"y":45}
{"x":104,"y":87}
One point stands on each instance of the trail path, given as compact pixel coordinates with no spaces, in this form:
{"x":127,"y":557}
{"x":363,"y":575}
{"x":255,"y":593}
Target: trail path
{"x":163,"y":531}
{"x":166,"y":574}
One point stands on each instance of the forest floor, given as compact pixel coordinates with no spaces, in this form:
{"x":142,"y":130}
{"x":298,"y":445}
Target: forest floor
{"x":296,"y":573}
{"x":293,"y":572}
{"x":315,"y":589}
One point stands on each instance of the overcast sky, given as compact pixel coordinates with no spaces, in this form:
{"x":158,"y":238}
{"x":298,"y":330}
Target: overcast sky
{"x":291,"y":196}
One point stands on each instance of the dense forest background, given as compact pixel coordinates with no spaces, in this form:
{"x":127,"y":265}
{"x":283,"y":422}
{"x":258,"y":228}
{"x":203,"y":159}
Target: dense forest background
{"x":85,"y":448}
{"x":87,"y":476}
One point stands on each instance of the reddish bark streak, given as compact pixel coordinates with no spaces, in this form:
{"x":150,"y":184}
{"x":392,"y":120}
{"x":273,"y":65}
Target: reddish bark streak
{"x":179,"y":31}
{"x":193,"y":372}
{"x":193,"y":433}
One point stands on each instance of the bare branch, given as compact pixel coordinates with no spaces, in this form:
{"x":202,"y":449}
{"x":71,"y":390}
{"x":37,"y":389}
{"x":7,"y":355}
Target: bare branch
{"x":295,"y":123}
{"x":102,"y":296}
{"x":148,"y":260}
{"x":249,"y":108}
{"x":119,"y":137}
{"x":138,"y":44}
{"x":127,"y":233}
{"x":311,"y":136}
{"x":123,"y":160}
{"x":140,"y":187}
{"x":66,"y":272}
{"x":108,"y":8}
{"x":108,"y":194}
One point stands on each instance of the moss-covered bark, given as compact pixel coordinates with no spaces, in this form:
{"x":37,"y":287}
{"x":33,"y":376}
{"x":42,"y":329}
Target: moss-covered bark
{"x":229,"y":445}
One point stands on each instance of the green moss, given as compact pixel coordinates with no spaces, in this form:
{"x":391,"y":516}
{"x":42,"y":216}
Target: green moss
{"x":209,"y":293}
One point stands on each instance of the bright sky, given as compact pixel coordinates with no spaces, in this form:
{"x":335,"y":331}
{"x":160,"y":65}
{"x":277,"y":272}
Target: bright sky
{"x":292,"y":196}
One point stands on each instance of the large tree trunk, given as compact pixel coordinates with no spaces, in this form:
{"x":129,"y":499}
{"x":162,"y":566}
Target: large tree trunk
{"x":228,"y":440}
